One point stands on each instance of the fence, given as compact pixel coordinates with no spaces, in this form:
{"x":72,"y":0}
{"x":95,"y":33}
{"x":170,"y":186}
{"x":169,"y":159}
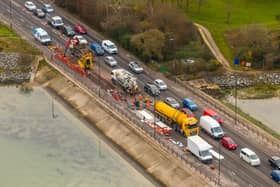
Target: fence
{"x":242,"y":122}
{"x":135,"y":123}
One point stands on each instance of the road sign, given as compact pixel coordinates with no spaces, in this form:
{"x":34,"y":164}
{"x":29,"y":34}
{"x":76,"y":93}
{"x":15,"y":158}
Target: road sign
{"x":236,"y":61}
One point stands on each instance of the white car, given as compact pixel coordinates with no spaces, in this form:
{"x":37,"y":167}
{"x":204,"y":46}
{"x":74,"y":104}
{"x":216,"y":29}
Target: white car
{"x":109,"y":47}
{"x":250,"y":157}
{"x":160,"y":84}
{"x":172,"y":102}
{"x":81,"y":39}
{"x":30,"y":6}
{"x":55,"y":21}
{"x":135,"y":67}
{"x":47,"y":8}
{"x":111,"y":61}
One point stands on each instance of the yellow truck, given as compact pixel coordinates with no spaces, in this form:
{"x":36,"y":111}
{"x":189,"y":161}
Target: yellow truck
{"x":179,"y":120}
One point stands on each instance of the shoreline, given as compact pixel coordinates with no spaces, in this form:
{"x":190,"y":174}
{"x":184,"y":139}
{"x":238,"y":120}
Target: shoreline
{"x":104,"y":139}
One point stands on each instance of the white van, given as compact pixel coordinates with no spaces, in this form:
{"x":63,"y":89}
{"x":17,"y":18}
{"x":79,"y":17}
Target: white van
{"x":250,"y":157}
{"x":42,"y":36}
{"x":211,"y":126}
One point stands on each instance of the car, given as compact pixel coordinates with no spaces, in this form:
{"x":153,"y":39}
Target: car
{"x":30,"y":6}
{"x":135,"y":67}
{"x":213,"y":114}
{"x":81,"y":39}
{"x":172,"y":102}
{"x":111,"y":61}
{"x":250,"y":157}
{"x":97,"y":49}
{"x":160,"y":84}
{"x":80,"y":29}
{"x":39,"y":13}
{"x":274,"y":161}
{"x":109,"y":47}
{"x":228,"y":143}
{"x":151,"y":89}
{"x":188,"y":112}
{"x":67,"y":30}
{"x":47,"y":8}
{"x":55,"y":21}
{"x":275,"y":175}
{"x":188,"y":103}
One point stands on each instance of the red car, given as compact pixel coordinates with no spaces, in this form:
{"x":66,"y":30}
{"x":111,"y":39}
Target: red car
{"x":187,"y":111}
{"x":80,"y":29}
{"x":228,"y":143}
{"x":213,"y":114}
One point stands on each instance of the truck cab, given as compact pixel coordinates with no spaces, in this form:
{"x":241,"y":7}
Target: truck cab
{"x":42,"y":36}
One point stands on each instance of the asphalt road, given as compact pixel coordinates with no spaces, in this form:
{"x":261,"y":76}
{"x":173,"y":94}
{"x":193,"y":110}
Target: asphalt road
{"x":232,"y":166}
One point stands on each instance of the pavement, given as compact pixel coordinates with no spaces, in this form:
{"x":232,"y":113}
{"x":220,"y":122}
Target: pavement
{"x":232,"y":168}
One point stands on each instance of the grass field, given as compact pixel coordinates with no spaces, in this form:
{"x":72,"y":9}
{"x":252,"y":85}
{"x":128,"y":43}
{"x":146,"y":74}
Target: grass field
{"x":10,"y":42}
{"x":213,"y":15}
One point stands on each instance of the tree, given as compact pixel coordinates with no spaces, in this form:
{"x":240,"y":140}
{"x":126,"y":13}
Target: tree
{"x":149,"y":44}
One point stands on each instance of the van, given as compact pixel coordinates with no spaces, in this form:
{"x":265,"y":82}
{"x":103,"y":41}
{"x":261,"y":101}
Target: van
{"x":250,"y":157}
{"x":212,"y":114}
{"x":42,"y":36}
{"x":211,"y":126}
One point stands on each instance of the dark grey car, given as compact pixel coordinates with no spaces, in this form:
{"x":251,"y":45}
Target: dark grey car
{"x":151,"y":89}
{"x":67,"y":30}
{"x":39,"y":13}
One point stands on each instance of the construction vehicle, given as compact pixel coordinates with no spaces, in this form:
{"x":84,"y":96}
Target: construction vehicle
{"x":125,"y":80}
{"x":81,"y":52}
{"x":180,"y":122}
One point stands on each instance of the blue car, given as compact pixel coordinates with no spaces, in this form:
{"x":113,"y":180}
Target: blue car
{"x":275,"y":175}
{"x":97,"y":49}
{"x":188,"y":103}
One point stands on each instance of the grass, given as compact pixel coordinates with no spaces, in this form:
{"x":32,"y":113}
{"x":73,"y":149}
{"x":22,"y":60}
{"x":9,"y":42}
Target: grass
{"x":11,"y":42}
{"x":259,"y":92}
{"x":253,"y":120}
{"x":244,"y":12}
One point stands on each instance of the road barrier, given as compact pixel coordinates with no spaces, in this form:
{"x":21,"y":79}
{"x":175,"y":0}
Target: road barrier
{"x":135,"y":123}
{"x":242,"y":122}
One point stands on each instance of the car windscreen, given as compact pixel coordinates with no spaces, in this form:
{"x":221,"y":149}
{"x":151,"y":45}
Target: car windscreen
{"x":217,"y":129}
{"x":216,"y":117}
{"x":45,"y":37}
{"x":230,"y":141}
{"x":204,"y":153}
{"x":111,"y":46}
{"x":58,"y":21}
{"x":253,"y":157}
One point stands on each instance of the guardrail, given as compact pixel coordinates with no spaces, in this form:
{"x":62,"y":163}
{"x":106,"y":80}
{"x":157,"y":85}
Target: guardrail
{"x":241,"y":121}
{"x":136,"y":124}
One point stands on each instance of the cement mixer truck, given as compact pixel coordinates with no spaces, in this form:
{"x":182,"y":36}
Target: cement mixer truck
{"x":180,"y":122}
{"x":125,"y":80}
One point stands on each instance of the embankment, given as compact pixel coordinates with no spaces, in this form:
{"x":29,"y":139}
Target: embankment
{"x":157,"y":162}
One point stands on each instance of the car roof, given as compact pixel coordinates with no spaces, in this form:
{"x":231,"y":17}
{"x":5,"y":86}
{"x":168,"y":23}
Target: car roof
{"x":248,"y":151}
{"x":107,"y":41}
{"x":170,"y":98}
{"x":110,"y":57}
{"x":227,"y":138}
{"x":56,"y":17}
{"x":159,"y":80}
{"x":276,"y":171}
{"x":95,"y":44}
{"x":187,"y":99}
{"x":275,"y":157}
{"x":210,"y":111}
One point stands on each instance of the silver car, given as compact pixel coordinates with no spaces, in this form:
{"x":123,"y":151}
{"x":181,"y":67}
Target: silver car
{"x":160,"y":84}
{"x":111,"y":61}
{"x":135,"y":67}
{"x":172,"y":102}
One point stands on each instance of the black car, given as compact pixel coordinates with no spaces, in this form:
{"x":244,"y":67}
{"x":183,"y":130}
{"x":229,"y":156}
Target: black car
{"x":275,"y":162}
{"x":151,"y":89}
{"x":67,"y":30}
{"x":39,"y":13}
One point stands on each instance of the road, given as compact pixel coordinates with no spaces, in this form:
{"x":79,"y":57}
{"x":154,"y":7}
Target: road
{"x":231,"y":167}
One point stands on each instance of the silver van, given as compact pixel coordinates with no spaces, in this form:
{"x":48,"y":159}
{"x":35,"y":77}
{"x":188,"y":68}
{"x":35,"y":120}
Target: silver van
{"x":250,"y":157}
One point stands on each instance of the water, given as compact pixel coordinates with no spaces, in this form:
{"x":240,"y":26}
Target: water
{"x":38,"y":150}
{"x":264,"y":110}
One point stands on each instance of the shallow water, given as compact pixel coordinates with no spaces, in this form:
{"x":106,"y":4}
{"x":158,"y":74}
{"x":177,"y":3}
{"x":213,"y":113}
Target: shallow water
{"x":265,"y":110}
{"x":39,"y":149}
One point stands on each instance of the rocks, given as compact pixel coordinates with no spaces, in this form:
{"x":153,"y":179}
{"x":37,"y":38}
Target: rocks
{"x":241,"y":80}
{"x":12,"y":71}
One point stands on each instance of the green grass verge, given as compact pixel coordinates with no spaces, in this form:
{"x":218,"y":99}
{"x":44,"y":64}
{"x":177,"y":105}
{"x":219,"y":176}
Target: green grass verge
{"x":253,"y":120}
{"x":262,"y":91}
{"x":213,"y":15}
{"x":11,"y":42}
